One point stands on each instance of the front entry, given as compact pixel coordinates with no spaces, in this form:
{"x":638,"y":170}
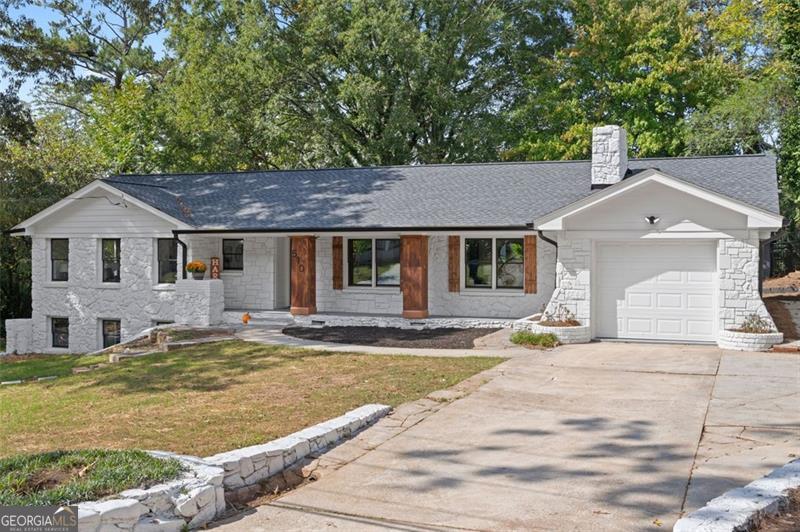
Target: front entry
{"x":656,"y":291}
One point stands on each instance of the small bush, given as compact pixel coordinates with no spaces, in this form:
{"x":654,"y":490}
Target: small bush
{"x":69,"y":477}
{"x":561,"y":317}
{"x":528,"y":338}
{"x":755,"y":324}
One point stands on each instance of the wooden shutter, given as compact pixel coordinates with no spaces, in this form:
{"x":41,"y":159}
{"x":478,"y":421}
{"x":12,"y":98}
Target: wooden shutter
{"x":530,"y":264}
{"x":454,"y":263}
{"x":338,"y":263}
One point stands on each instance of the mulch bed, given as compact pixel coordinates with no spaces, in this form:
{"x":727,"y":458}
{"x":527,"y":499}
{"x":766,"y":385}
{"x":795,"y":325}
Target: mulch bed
{"x":392,"y":336}
{"x":782,"y":318}
{"x":786,"y":521}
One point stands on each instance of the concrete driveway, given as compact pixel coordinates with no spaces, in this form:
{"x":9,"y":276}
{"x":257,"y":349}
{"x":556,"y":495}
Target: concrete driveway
{"x":603,"y":436}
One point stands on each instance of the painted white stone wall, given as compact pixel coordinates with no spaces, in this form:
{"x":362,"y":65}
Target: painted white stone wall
{"x":135,"y":300}
{"x":609,"y":154}
{"x":199,"y":303}
{"x":490,"y":303}
{"x":253,"y":287}
{"x":573,"y":279}
{"x":379,"y":300}
{"x":19,"y":336}
{"x":737,"y":263}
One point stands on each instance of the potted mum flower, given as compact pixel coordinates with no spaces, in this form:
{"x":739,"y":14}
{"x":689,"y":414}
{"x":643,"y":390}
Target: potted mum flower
{"x":197,"y":269}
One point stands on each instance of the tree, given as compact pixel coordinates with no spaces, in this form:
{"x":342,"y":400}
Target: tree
{"x":86,"y":44}
{"x":636,"y":63}
{"x":334,"y":82}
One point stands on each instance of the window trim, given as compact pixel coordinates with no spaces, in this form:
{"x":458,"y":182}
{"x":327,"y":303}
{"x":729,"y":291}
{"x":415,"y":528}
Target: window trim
{"x":374,"y":286}
{"x":157,"y":271}
{"x":222,"y":253}
{"x":103,"y":332}
{"x":102,"y":262}
{"x":494,"y":289}
{"x":53,"y":332}
{"x":51,"y":259}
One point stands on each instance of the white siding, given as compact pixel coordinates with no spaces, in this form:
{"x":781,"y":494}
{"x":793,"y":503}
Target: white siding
{"x":97,"y":216}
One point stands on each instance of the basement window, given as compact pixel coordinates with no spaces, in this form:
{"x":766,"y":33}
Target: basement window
{"x":59,"y":329}
{"x":112,"y":332}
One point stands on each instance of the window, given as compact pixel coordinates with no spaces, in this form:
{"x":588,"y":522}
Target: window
{"x":59,"y":259}
{"x":494,"y":263}
{"x":478,"y":262}
{"x":232,"y":255}
{"x":109,"y":249}
{"x":59,"y":327}
{"x":510,"y":263}
{"x":359,"y":262}
{"x":373,"y":262}
{"x":157,"y":323}
{"x":387,"y":262}
{"x":167,"y":260}
{"x":112,"y":332}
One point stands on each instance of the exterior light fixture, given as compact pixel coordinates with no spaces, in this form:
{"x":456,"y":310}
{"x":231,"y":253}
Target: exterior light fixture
{"x":652,"y":220}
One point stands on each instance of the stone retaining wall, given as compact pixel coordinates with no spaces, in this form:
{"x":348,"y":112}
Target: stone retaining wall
{"x":742,"y":508}
{"x":192,"y":500}
{"x":198,"y":496}
{"x":250,"y":465}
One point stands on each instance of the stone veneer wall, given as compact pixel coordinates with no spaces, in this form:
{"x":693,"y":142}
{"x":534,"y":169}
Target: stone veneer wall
{"x":382,"y":300}
{"x":490,"y":303}
{"x":573,"y":279}
{"x":253,"y":287}
{"x":738,"y":266}
{"x":199,"y":303}
{"x":85,"y":300}
{"x":609,"y":154}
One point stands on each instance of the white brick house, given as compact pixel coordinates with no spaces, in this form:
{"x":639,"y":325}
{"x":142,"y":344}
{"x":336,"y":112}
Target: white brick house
{"x":642,"y":249}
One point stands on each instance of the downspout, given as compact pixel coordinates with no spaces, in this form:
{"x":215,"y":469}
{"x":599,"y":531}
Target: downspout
{"x":549,"y":241}
{"x":184,"y":249}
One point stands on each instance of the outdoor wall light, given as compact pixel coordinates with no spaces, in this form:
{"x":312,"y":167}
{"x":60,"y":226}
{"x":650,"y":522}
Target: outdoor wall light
{"x":652,"y":220}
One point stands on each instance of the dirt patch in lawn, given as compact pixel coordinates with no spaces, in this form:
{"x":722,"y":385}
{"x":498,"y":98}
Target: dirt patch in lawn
{"x":786,"y":521}
{"x":788,"y":284}
{"x":392,"y":336}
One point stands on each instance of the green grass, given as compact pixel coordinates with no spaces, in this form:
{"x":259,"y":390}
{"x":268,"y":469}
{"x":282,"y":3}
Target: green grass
{"x":29,"y":366}
{"x":214,"y":397}
{"x":528,"y":338}
{"x":68,"y":477}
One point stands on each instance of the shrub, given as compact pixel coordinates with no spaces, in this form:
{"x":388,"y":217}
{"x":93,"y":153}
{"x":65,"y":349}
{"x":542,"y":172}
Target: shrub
{"x":196,"y":266}
{"x":69,"y":477}
{"x":529,"y":338}
{"x":755,"y":324}
{"x":561,"y":317}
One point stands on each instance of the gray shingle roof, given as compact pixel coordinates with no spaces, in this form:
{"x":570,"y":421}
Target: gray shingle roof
{"x":464,"y":195}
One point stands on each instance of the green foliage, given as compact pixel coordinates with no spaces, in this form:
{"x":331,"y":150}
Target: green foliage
{"x":81,"y":475}
{"x":636,"y":63}
{"x":529,"y":338}
{"x":33,"y":366}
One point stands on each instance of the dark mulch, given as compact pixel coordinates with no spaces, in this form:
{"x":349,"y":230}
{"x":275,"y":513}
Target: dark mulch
{"x":392,"y":337}
{"x":786,"y":521}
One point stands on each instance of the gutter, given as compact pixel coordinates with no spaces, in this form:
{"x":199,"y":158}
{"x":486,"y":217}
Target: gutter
{"x":304,"y":230}
{"x":184,"y":249}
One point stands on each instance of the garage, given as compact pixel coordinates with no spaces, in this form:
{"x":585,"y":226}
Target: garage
{"x":655,"y":290}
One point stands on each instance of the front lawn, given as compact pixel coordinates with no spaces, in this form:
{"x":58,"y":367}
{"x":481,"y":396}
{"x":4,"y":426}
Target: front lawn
{"x":68,"y":477}
{"x":210,"y":398}
{"x":22,"y":367}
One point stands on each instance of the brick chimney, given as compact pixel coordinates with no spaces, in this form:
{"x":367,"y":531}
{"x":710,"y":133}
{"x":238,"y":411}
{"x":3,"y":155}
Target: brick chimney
{"x":609,"y":155}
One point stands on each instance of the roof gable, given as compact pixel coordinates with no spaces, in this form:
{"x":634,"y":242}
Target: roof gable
{"x":757,"y":218}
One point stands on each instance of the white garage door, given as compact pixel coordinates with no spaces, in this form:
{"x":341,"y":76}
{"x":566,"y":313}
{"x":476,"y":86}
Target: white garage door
{"x":655,"y":291}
